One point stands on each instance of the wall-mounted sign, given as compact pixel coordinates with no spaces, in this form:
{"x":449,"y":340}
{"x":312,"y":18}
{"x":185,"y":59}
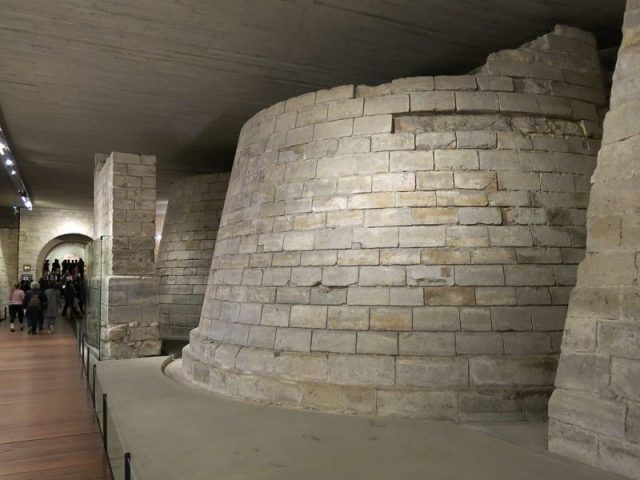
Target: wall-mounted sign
{"x":26,"y":267}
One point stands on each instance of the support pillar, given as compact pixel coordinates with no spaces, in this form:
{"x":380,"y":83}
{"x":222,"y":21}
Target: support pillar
{"x":125,"y":209}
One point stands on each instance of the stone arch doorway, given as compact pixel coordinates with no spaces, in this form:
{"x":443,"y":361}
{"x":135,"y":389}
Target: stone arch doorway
{"x":71,"y":244}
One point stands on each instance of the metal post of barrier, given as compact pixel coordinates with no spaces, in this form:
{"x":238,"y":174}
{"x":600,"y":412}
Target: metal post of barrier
{"x":104,"y":421}
{"x":127,"y":466}
{"x":88,"y":363}
{"x":93,"y":387}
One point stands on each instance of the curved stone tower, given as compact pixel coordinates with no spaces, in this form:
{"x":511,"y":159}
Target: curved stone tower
{"x":186,"y":248}
{"x":407,"y":249}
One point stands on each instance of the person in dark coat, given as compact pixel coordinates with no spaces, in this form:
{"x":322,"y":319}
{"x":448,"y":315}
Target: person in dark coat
{"x":69,"y":294}
{"x":81,"y":267}
{"x":35,"y":303}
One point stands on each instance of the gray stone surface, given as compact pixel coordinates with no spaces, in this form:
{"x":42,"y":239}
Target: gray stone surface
{"x":125,"y":213}
{"x":254,"y":441}
{"x":417,"y":238}
{"x":186,"y":248}
{"x":594,"y":407}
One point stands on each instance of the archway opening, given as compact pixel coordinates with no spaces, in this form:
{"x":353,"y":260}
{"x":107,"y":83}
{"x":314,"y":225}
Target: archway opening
{"x":69,"y":246}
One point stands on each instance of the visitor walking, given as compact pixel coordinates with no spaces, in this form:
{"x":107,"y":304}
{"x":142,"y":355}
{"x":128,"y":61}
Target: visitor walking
{"x":69,"y":294}
{"x":54,"y":300}
{"x":34,"y":301}
{"x":16,"y":309}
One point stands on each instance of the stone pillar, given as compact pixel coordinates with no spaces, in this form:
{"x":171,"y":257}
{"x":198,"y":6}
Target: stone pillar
{"x":125,"y":210}
{"x":407,"y":249}
{"x":8,"y":262}
{"x":186,"y":248}
{"x":595,"y":410}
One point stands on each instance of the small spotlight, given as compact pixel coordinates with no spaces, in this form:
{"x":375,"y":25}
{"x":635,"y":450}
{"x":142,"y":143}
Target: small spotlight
{"x":3,"y":147}
{"x":8,"y":162}
{"x":12,"y":172}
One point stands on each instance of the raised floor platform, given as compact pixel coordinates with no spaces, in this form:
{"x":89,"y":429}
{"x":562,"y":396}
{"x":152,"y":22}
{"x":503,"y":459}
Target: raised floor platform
{"x":175,"y":432}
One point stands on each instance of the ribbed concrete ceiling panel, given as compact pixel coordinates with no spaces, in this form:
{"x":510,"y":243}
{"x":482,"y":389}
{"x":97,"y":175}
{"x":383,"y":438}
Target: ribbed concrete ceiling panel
{"x":178,"y":78}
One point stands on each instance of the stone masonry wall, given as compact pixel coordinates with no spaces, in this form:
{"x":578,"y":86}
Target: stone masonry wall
{"x":8,"y":262}
{"x":407,"y":249}
{"x":595,"y":409}
{"x":125,"y":210}
{"x":186,"y":248}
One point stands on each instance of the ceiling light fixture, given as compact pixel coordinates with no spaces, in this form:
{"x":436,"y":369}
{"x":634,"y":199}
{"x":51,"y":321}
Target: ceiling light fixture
{"x":13,"y":171}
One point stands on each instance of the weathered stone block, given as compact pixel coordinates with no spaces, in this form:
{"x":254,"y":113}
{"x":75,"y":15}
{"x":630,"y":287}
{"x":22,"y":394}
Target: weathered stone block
{"x":336,"y":342}
{"x":390,"y":318}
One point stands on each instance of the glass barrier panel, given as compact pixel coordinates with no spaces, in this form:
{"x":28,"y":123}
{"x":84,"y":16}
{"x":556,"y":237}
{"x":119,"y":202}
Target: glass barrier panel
{"x":92,"y":291}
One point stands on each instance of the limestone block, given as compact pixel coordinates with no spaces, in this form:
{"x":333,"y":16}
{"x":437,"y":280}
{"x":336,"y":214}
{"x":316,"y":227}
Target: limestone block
{"x":478,"y":343}
{"x":436,"y":319}
{"x":372,"y":124}
{"x":381,"y":343}
{"x":310,"y":316}
{"x":496,"y":371}
{"x":571,"y":441}
{"x":467,"y":82}
{"x":348,"y":318}
{"x":346,"y":108}
{"x":336,"y":342}
{"x":390,"y":318}
{"x":430,"y":275}
{"x":477,"y":101}
{"x":341,"y":398}
{"x":450,"y":295}
{"x":427,"y":343}
{"x":361,"y":370}
{"x":589,"y":412}
{"x":511,"y":318}
{"x":474,"y":319}
{"x":432,"y":101}
{"x":261,"y":337}
{"x":624,"y":375}
{"x":440,"y":372}
{"x":293,"y":339}
{"x":435,"y":140}
{"x":396,"y":103}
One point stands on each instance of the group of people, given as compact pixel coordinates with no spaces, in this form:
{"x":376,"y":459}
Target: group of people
{"x":40,"y":302}
{"x":75,"y":268}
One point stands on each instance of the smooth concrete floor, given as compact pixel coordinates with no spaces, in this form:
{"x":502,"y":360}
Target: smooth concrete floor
{"x":175,"y":432}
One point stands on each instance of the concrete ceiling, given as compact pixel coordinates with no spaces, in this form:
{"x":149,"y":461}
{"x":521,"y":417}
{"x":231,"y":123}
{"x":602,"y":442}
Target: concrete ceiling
{"x":178,"y":78}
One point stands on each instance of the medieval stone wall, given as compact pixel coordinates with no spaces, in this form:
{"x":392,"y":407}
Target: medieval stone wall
{"x":8,"y":263}
{"x":595,"y":410}
{"x":186,"y":248}
{"x":409,"y":248}
{"x":125,"y":211}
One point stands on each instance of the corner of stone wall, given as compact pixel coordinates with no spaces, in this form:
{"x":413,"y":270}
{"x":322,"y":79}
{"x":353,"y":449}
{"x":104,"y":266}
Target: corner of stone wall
{"x":594,"y":412}
{"x":131,"y":326}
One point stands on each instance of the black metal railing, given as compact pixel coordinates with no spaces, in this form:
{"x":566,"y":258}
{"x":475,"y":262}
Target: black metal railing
{"x":119,"y":460}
